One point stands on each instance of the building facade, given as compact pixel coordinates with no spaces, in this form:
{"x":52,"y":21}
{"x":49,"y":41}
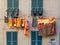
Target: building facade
{"x":16,"y":37}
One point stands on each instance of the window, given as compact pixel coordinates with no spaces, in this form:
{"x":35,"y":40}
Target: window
{"x":11,"y":38}
{"x":12,"y":8}
{"x":12,"y":4}
{"x":35,"y":38}
{"x":37,"y":7}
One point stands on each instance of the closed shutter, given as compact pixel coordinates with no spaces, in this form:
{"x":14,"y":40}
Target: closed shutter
{"x":9,"y":4}
{"x":39,"y":39}
{"x":16,"y":4}
{"x":14,"y":38}
{"x":11,"y":38}
{"x":12,"y":5}
{"x":40,"y":3}
{"x":37,"y":5}
{"x":40,"y":7}
{"x":35,"y":38}
{"x":8,"y":38}
{"x":33,"y":3}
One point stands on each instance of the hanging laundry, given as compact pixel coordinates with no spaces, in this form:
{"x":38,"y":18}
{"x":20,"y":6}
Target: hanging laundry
{"x":10,"y":22}
{"x":16,"y":13}
{"x":26,"y":28}
{"x":40,"y":26}
{"x":48,"y":28}
{"x":34,"y":21}
{"x":14,"y":20}
{"x":22,"y":23}
{"x":18,"y":23}
{"x":47,"y":25}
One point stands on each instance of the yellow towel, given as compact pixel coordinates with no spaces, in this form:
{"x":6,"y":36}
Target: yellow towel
{"x":18,"y":22}
{"x":10,"y":22}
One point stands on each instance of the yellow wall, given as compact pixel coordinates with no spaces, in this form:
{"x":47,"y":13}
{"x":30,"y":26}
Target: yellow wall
{"x":51,"y":9}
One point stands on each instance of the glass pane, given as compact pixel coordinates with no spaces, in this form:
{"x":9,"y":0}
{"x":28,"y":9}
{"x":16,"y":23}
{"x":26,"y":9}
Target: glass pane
{"x":33,"y":35}
{"x":39,"y":37}
{"x":16,"y":4}
{"x":39,"y":43}
{"x":40,"y":3}
{"x":33,"y":3}
{"x":9,"y":3}
{"x":33,"y":43}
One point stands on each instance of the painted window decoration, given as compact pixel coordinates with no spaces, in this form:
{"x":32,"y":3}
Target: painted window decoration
{"x":46,"y":26}
{"x":35,"y":38}
{"x":11,"y":38}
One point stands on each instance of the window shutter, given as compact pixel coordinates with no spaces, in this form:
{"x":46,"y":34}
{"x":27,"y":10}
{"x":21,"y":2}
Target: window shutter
{"x":14,"y":38}
{"x":40,"y":3}
{"x":35,"y":38}
{"x":8,"y":38}
{"x":33,"y":3}
{"x":11,"y":38}
{"x":9,"y":4}
{"x":33,"y":35}
{"x":16,"y":4}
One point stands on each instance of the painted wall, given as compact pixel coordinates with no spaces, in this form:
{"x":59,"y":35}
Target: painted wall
{"x":51,"y":9}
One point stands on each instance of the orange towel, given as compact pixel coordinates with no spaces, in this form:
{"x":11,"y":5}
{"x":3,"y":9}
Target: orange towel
{"x":14,"y":20}
{"x":26,"y":28}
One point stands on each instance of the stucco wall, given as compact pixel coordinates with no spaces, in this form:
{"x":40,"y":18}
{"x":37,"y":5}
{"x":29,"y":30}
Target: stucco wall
{"x":51,"y":9}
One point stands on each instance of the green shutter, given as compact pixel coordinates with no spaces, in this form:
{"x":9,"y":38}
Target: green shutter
{"x":14,"y":38}
{"x":33,"y":3}
{"x":37,"y":4}
{"x":33,"y":35}
{"x":35,"y":38}
{"x":11,"y":38}
{"x":40,"y":3}
{"x":8,"y":38}
{"x":33,"y":43}
{"x":39,"y":37}
{"x":9,"y":4}
{"x":16,"y":4}
{"x":12,"y":5}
